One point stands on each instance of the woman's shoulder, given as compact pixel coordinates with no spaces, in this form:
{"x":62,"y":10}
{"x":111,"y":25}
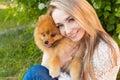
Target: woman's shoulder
{"x":104,"y":47}
{"x":102,"y":52}
{"x":103,"y":59}
{"x":103,"y":55}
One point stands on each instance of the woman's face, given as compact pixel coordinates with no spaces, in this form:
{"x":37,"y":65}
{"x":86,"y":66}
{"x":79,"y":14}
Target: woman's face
{"x":67,"y":25}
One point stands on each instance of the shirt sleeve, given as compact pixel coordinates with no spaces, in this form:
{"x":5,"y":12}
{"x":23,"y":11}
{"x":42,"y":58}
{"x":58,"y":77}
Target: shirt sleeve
{"x":64,"y":76}
{"x":103,"y":62}
{"x":109,"y":75}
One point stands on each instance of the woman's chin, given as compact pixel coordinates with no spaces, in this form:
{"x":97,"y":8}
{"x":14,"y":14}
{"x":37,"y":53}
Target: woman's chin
{"x":78,"y":37}
{"x":75,"y":39}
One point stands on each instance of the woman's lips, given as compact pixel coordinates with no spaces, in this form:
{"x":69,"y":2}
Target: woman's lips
{"x":74,"y":34}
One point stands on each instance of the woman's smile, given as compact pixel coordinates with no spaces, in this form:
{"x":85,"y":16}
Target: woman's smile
{"x":73,"y":35}
{"x":67,"y":25}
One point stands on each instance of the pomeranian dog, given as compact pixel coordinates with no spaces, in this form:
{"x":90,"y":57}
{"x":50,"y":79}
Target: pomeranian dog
{"x":48,"y":39}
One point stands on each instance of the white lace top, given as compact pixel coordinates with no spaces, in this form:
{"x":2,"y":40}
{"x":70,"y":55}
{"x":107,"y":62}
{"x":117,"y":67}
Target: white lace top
{"x":104,"y":67}
{"x":103,"y":62}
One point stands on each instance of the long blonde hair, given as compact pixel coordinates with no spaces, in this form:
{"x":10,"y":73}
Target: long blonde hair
{"x":86,"y":16}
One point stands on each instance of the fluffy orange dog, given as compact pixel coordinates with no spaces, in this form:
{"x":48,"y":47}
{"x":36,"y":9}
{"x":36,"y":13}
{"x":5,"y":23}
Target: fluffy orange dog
{"x":50,"y":41}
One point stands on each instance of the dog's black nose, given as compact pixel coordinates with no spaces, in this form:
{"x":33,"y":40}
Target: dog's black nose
{"x":46,"y":42}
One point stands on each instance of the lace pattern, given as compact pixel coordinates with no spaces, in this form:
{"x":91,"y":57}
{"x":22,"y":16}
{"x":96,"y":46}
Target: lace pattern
{"x":103,"y":63}
{"x":102,"y":59}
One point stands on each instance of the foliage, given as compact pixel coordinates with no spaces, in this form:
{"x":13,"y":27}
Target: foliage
{"x":9,"y":17}
{"x":109,"y":14}
{"x":32,"y":8}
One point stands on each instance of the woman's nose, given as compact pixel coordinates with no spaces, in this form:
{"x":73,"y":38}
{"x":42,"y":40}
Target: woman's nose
{"x":68,"y":30}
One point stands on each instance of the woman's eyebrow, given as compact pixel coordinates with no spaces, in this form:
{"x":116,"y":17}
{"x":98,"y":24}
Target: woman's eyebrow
{"x":68,"y":18}
{"x":57,"y":24}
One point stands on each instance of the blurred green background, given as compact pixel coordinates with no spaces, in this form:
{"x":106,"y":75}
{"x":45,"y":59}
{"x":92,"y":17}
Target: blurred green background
{"x":17,"y":21}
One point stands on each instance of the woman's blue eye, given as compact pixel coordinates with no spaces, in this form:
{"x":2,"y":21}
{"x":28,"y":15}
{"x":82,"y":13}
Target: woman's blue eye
{"x":71,"y":20}
{"x":59,"y":26}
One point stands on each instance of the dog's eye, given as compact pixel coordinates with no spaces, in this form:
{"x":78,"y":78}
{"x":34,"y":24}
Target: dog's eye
{"x":53,"y":35}
{"x":43,"y":35}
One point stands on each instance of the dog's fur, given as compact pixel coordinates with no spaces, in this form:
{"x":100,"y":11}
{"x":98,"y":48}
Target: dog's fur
{"x":50,"y":41}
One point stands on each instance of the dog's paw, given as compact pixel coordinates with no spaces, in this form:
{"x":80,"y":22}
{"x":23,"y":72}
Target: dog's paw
{"x":54,"y":74}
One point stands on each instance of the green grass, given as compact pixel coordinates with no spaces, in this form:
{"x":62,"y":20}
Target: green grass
{"x":17,"y":53}
{"x":17,"y":48}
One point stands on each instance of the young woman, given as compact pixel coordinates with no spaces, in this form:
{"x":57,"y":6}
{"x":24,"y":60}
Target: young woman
{"x":77,"y":20}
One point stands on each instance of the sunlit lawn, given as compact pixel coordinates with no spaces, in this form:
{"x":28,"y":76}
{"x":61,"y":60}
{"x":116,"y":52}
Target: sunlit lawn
{"x":17,"y":48}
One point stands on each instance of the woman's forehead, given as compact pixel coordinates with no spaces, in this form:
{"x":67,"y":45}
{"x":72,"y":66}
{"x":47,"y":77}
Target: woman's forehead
{"x":59,"y":15}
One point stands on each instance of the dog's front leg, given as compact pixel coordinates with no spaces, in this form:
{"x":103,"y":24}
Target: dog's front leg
{"x":75,"y":69}
{"x":54,"y":66}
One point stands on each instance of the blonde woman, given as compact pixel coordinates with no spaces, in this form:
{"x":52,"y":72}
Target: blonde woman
{"x":77,"y":20}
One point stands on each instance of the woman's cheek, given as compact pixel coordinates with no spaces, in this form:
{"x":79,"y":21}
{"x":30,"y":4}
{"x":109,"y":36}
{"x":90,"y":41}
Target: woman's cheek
{"x":62,"y":31}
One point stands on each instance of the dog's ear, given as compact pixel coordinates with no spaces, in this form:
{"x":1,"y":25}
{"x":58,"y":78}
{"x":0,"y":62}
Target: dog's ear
{"x":40,"y":17}
{"x":44,"y":17}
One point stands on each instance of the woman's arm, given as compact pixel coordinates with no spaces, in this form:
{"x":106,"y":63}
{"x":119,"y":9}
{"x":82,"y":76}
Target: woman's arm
{"x":110,"y":74}
{"x":103,"y":61}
